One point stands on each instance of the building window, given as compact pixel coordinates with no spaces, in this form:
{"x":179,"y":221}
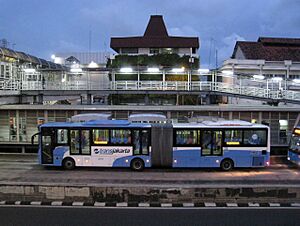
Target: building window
{"x":154,"y":50}
{"x":170,"y":50}
{"x":2,"y":71}
{"x":129,"y":50}
{"x":283,"y":128}
{"x":12,"y":129}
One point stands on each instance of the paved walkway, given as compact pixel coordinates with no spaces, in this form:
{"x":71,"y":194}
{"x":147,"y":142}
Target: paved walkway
{"x":23,"y":169}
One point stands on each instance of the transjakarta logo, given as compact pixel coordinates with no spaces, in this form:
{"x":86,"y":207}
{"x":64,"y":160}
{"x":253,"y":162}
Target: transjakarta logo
{"x":111,"y":150}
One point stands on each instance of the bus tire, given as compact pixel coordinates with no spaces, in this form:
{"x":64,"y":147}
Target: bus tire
{"x":68,"y":164}
{"x":137,"y":164}
{"x":227,"y":165}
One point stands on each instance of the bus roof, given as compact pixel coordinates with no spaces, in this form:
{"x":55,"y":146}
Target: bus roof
{"x":97,"y":123}
{"x":147,"y":117}
{"x":220,"y":124}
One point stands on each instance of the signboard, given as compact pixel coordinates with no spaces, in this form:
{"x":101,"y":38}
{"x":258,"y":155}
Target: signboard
{"x":111,"y":151}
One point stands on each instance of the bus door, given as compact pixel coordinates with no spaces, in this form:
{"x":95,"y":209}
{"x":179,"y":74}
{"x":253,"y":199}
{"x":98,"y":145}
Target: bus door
{"x":141,"y":142}
{"x":48,"y":145}
{"x":211,"y":145}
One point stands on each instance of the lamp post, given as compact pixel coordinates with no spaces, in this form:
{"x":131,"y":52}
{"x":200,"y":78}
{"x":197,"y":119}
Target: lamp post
{"x":191,"y":61}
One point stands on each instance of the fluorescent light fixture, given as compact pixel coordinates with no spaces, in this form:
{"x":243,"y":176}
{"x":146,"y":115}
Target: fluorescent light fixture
{"x":76,"y":70}
{"x":227,"y":72}
{"x":203,"y":70}
{"x":296,"y":80}
{"x":277,"y":79}
{"x":178,"y":70}
{"x":260,"y":77}
{"x":29,"y":70}
{"x":153,"y":69}
{"x":126,"y":70}
{"x":93,"y":65}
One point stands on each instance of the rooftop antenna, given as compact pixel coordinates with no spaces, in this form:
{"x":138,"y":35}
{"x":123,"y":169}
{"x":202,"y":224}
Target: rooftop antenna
{"x":216,"y":59}
{"x":90,"y":43}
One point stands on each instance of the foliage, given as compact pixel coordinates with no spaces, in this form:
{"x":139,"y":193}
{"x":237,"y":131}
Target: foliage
{"x":163,"y":60}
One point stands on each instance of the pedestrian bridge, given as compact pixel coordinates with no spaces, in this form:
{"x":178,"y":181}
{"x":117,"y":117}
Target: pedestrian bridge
{"x":217,"y":88}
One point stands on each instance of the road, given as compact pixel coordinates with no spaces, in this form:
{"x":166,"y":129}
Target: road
{"x":147,"y":216}
{"x":24,"y":169}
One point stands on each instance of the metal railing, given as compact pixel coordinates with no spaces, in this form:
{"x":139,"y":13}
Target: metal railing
{"x":246,"y":90}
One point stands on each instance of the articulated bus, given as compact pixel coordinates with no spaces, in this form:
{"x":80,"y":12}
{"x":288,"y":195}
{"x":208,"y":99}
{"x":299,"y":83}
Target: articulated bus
{"x":120,"y":143}
{"x":294,"y":147}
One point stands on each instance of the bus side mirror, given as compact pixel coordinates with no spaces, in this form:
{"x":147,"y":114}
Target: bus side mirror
{"x":33,"y":136}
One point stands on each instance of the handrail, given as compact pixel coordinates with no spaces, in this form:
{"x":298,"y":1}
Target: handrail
{"x":252,"y":91}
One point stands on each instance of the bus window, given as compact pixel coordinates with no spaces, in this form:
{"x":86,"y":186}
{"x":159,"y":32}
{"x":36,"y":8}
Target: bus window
{"x":100,"y":136}
{"x":187,"y":137}
{"x":233,"y":137}
{"x":120,"y":136}
{"x":62,"y":136}
{"x":136,"y":142}
{"x":85,"y":142}
{"x":255,"y":137}
{"x":145,"y":142}
{"x":74,"y":142}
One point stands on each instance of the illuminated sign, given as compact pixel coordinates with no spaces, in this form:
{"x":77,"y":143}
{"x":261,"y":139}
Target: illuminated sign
{"x":233,"y":143}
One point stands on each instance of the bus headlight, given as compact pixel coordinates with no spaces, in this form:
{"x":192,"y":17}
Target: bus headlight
{"x":289,"y":158}
{"x":217,"y":161}
{"x":147,"y":161}
{"x":126,"y":161}
{"x":175,"y":161}
{"x":267,"y":163}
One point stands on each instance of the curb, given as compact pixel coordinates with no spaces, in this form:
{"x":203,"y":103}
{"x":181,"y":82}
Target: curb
{"x":152,"y":204}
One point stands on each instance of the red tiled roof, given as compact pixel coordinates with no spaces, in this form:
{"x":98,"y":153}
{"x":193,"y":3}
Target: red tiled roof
{"x":155,"y":36}
{"x":270,"y":49}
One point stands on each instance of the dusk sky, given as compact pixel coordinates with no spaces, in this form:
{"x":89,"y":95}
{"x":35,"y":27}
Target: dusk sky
{"x":42,"y":28}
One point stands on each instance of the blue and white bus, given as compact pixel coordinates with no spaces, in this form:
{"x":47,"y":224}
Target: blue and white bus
{"x":224,"y":144}
{"x":294,"y":147}
{"x":120,"y":143}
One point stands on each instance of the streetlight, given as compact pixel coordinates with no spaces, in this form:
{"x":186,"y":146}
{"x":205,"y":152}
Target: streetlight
{"x":126,"y":70}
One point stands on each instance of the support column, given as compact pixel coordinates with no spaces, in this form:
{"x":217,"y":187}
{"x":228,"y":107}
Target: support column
{"x":177,"y":99}
{"x":18,"y":125}
{"x":89,"y":99}
{"x":40,"y":98}
{"x":146,"y":100}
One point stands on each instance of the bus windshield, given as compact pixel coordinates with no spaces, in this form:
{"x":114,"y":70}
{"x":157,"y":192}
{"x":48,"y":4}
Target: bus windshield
{"x":295,"y":143}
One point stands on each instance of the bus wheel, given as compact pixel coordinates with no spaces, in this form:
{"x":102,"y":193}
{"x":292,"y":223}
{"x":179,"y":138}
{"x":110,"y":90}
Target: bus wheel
{"x":137,"y":164}
{"x":68,"y":164}
{"x":227,"y":164}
